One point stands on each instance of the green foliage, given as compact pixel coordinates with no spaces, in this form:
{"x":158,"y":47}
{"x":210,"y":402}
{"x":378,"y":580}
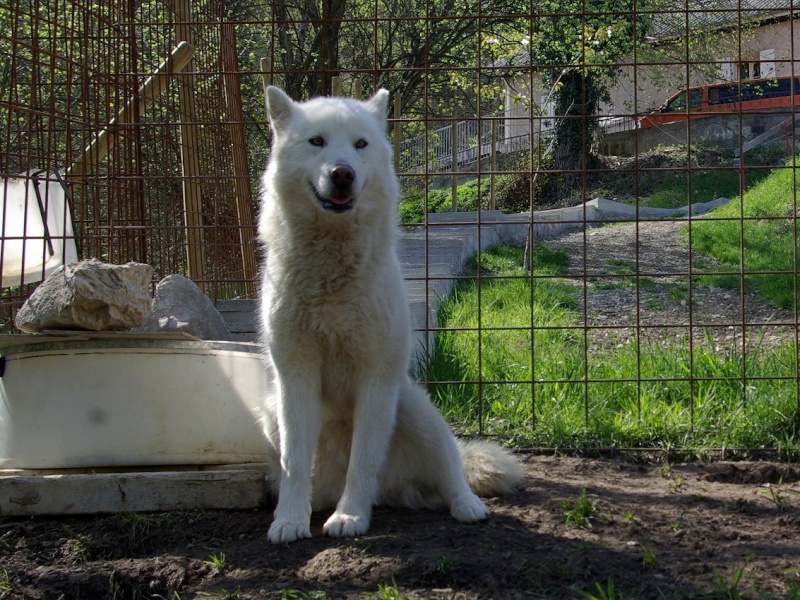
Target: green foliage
{"x":386,"y":592}
{"x":6,"y":589}
{"x":575,"y":45}
{"x":217,"y":562}
{"x":470,"y":196}
{"x":755,"y":233}
{"x":609,"y":592}
{"x":527,"y":344}
{"x":673,"y":189}
{"x":579,"y":511}
{"x":312,"y":46}
{"x":527,"y":184}
{"x":293,"y":594}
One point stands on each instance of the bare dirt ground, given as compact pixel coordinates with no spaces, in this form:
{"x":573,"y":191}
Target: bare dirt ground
{"x":648,"y":530}
{"x":719,"y":530}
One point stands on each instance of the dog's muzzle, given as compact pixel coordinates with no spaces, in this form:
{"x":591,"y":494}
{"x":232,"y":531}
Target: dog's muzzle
{"x":338,"y":197}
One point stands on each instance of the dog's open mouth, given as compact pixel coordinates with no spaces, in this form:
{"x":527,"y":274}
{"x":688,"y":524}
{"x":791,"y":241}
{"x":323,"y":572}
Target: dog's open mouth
{"x":338,"y":202}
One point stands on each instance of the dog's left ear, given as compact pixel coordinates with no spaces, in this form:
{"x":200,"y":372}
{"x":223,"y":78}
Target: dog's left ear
{"x":379,"y":103}
{"x":280,"y":107}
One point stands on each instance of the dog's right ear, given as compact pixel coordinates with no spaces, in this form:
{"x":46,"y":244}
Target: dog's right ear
{"x":279,"y":107}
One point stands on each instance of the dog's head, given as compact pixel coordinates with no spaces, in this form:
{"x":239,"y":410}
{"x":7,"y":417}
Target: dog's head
{"x":332,"y":151}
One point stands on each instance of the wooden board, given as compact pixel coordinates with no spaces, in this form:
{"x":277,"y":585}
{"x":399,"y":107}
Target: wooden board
{"x":240,"y":316}
{"x":84,"y":494}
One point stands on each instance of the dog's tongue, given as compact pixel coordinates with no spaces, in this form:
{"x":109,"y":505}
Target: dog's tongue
{"x":340,"y":199}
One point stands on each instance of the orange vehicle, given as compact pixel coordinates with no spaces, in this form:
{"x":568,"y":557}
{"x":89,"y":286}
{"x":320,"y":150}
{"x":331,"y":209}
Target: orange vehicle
{"x":739,"y":96}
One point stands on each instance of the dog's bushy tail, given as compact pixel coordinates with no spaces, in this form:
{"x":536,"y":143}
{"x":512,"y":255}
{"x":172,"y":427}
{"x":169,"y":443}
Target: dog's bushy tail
{"x":490,"y":470}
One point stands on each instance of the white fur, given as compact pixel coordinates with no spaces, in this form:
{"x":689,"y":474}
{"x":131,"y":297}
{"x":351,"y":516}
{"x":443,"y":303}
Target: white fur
{"x":346,"y":427}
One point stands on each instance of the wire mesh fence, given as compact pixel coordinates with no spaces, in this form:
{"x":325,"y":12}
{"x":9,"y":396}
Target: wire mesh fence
{"x":626,"y":166}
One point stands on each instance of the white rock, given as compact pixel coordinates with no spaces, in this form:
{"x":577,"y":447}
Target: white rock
{"x":89,"y":295}
{"x":180,"y":305}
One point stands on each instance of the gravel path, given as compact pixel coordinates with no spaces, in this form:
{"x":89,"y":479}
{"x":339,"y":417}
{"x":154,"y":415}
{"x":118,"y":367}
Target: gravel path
{"x":637,"y":276}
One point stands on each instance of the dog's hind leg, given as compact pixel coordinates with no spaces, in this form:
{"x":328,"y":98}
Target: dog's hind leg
{"x":373,"y":422}
{"x":299,"y":423}
{"x":425,"y":467}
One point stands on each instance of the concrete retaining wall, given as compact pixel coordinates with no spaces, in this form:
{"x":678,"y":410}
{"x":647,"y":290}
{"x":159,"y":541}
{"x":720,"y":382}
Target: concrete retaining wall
{"x":723,"y":131}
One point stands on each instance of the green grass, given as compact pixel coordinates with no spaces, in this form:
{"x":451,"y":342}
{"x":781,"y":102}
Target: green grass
{"x":672,"y":190}
{"x":469,"y":196}
{"x":514,"y":363}
{"x":745,"y":236}
{"x":579,"y":511}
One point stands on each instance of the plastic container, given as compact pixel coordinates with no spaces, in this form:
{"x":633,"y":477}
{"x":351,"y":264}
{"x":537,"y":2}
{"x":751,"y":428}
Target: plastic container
{"x":122,"y":400}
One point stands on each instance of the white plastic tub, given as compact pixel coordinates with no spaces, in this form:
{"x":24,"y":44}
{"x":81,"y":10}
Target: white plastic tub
{"x":122,"y":400}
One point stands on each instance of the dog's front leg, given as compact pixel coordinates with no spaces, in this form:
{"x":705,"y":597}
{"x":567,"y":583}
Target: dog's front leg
{"x":373,"y":424}
{"x":299,"y":423}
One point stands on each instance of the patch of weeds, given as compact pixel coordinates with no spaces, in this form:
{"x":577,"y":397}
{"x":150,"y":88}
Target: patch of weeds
{"x":300,"y":595}
{"x":775,"y":495}
{"x":607,"y":592}
{"x":578,"y":512}
{"x":740,"y":505}
{"x":676,"y":485}
{"x":217,"y":562}
{"x":364,"y":546}
{"x":79,"y":549}
{"x":646,"y":283}
{"x":654,"y":304}
{"x":618,"y":266}
{"x":729,"y":588}
{"x":138,"y":530}
{"x":232,"y":594}
{"x":444,"y":564}
{"x":386,"y":592}
{"x":6,"y":589}
{"x":649,"y":558}
{"x":602,"y":285}
{"x":678,"y":294}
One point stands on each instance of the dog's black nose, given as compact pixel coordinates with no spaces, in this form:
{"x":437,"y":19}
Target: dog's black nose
{"x":342,"y":176}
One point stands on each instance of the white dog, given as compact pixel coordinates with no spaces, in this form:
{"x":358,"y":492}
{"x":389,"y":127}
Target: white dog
{"x":346,"y":427}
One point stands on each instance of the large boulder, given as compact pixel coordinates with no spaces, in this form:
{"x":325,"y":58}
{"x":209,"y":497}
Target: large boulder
{"x":179,"y":305}
{"x":89,"y":295}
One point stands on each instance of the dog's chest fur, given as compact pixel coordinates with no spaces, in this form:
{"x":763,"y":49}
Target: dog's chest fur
{"x":340,"y":296}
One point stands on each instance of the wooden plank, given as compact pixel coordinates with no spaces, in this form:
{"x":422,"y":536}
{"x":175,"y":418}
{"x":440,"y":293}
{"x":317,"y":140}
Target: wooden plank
{"x":244,"y":336}
{"x":396,"y":129}
{"x":190,"y":161}
{"x":237,"y":305}
{"x":266,"y":79}
{"x":131,"y":492}
{"x":241,"y":167}
{"x":240,"y":322}
{"x":241,"y":318}
{"x":135,"y":107}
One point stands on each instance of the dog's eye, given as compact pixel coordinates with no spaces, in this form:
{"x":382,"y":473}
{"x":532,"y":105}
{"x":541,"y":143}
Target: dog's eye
{"x":361,"y":144}
{"x":318,"y":141}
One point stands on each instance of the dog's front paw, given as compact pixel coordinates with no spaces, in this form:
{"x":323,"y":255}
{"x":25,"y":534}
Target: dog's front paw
{"x":468,"y":508}
{"x":345,"y":525}
{"x":287,"y":531}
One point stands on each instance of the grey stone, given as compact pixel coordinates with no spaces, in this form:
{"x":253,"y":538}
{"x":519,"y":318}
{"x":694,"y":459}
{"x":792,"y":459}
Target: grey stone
{"x":89,"y":295}
{"x":179,"y":305}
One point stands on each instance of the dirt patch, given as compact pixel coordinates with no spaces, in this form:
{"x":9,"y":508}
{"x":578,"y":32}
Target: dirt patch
{"x":654,"y":531}
{"x":637,"y":275}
